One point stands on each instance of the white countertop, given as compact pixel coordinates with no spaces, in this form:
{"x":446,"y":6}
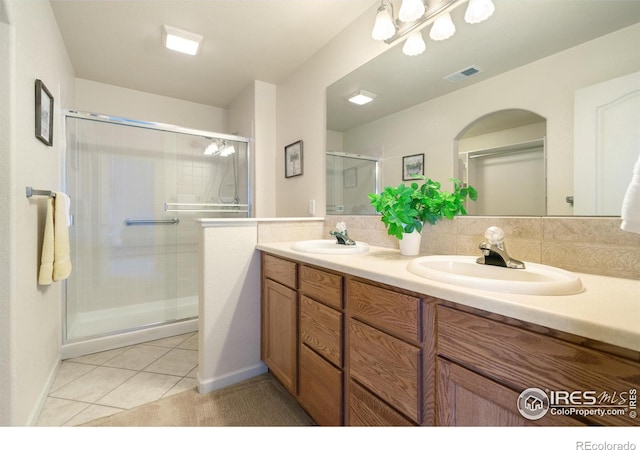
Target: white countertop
{"x":608,"y":310}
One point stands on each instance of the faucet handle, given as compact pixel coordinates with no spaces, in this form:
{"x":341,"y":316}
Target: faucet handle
{"x":341,"y":227}
{"x":494,"y":235}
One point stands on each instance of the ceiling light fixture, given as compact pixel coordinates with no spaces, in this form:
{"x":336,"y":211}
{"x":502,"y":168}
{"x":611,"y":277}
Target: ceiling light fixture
{"x":362,"y":97}
{"x":219,"y":148}
{"x":181,"y":40}
{"x":414,"y":16}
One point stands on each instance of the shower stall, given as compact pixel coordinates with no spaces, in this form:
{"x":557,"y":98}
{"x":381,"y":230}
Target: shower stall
{"x":136,"y":189}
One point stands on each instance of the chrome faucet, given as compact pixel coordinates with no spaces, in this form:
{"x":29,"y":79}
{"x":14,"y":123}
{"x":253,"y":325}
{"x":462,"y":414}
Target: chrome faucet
{"x":341,"y":235}
{"x":495,"y":252}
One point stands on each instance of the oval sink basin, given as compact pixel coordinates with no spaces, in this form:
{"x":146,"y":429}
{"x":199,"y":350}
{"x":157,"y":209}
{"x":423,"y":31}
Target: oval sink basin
{"x":330,"y":247}
{"x":535,"y":279}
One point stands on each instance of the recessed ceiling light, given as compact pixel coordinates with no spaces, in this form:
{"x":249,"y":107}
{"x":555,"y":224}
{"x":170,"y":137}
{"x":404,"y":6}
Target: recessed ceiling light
{"x":362,"y":97}
{"x":181,"y":40}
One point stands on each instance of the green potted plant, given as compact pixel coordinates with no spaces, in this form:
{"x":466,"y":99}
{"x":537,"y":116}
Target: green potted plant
{"x":406,"y":209}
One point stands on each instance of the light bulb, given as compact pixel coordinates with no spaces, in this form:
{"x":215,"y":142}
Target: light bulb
{"x":414,"y":45}
{"x":479,"y":10}
{"x":411,"y":10}
{"x":384,"y":27}
{"x":443,"y":28}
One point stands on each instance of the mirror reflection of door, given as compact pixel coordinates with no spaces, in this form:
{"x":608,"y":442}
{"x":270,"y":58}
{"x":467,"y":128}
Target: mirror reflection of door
{"x":502,"y":155}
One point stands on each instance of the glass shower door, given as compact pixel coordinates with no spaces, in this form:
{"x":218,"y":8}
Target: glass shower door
{"x":124,"y":245}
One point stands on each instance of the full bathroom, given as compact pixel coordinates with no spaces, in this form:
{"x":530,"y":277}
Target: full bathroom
{"x":174,"y":239}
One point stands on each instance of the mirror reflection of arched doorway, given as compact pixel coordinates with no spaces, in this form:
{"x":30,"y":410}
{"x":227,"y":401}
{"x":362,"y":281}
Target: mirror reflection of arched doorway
{"x":503,"y":155}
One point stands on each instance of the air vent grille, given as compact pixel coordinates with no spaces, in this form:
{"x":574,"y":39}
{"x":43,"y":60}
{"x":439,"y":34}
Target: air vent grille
{"x":463,"y":74}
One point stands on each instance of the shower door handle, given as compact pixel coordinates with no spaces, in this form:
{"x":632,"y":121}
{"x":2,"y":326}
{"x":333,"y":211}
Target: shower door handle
{"x":129,"y":222}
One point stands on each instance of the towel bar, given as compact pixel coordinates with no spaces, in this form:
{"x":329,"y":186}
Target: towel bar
{"x":31,"y":192}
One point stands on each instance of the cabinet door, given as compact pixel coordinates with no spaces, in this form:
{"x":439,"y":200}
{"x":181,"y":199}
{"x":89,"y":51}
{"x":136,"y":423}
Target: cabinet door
{"x":320,"y":388}
{"x":466,"y":399}
{"x":279,"y":333}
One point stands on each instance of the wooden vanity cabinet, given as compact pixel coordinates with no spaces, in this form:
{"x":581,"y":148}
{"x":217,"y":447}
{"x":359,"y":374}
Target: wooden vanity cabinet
{"x":361,"y":353}
{"x":485,"y":363}
{"x":391,"y":377}
{"x":279,"y":319}
{"x":321,"y":375}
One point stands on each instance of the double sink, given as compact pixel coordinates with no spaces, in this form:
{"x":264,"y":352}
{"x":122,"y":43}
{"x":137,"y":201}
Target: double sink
{"x":464,"y":271}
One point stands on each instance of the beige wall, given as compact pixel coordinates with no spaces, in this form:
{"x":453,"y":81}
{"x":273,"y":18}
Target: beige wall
{"x":109,"y":100}
{"x":253,"y":114}
{"x":301,"y":113}
{"x":33,"y":337}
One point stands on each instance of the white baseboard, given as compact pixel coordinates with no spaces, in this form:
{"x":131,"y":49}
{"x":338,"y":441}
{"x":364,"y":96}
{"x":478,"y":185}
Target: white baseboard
{"x":215,"y":383}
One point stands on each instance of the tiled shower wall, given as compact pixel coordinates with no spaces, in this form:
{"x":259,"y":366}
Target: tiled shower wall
{"x":594,"y":245}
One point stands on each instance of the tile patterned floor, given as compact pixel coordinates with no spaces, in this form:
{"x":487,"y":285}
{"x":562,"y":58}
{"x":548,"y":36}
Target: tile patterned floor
{"x":105,"y":383}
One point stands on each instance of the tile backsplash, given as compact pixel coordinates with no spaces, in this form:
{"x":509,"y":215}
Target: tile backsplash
{"x":594,"y":245}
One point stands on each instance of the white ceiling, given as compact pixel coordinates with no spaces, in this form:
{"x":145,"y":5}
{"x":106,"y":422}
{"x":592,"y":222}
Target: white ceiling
{"x":119,"y":42}
{"x":519,"y":32}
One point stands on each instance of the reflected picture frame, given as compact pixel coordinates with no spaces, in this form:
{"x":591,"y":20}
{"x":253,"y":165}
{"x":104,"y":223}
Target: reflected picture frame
{"x":43,"y":113}
{"x":412,"y":167}
{"x":350,"y":178}
{"x":293,"y":159}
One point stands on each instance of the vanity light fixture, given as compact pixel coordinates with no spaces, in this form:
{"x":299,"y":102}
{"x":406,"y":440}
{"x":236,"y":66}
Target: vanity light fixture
{"x":414,"y":45}
{"x":181,"y":40}
{"x":362,"y":97}
{"x":415,"y":16}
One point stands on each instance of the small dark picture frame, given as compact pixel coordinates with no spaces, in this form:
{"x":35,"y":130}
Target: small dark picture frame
{"x":44,"y":113}
{"x":412,"y":167}
{"x":293,"y":159}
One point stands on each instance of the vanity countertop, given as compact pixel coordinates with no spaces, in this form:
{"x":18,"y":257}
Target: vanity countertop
{"x":608,"y":310}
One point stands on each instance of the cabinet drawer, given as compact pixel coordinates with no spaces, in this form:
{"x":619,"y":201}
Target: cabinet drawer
{"x":321,"y":329}
{"x":320,"y":390}
{"x":280,"y":270}
{"x":387,"y":366}
{"x":365,"y":409}
{"x":322,"y":286}
{"x":399,"y":314}
{"x":524,"y":359}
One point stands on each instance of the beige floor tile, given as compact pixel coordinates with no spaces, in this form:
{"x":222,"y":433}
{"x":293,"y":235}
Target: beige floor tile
{"x":57,"y":411}
{"x":170,"y":342}
{"x":184,"y":384}
{"x":94,"y":385}
{"x":91,"y":413}
{"x":69,"y":371}
{"x":100,"y":357}
{"x":193,"y":373}
{"x":137,"y":358}
{"x":189,"y":344}
{"x":177,"y":362}
{"x":142,"y":388}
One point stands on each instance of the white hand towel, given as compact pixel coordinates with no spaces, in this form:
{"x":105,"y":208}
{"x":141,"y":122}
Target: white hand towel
{"x":62,"y":252}
{"x":631,"y":203}
{"x":45,"y":276}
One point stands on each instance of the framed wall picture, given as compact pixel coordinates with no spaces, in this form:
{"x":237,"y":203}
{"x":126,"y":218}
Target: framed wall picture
{"x":412,"y":166}
{"x":44,"y":113}
{"x":293,"y":159}
{"x":350,"y":177}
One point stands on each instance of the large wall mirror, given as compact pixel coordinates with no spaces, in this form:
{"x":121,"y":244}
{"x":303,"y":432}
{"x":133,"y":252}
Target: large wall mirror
{"x":539,"y":72}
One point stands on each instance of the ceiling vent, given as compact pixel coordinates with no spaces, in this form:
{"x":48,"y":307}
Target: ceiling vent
{"x":463,"y":74}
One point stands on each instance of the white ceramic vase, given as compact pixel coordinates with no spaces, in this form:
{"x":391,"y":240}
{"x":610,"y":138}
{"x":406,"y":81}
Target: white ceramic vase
{"x":410,"y":243}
